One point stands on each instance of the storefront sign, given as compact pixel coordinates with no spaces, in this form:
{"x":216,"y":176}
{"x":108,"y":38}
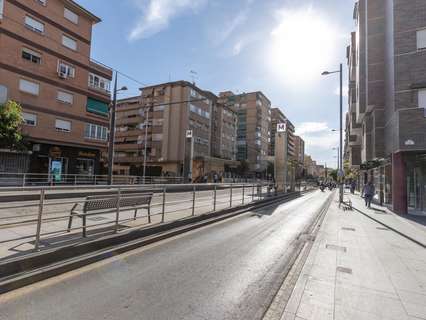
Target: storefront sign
{"x":87,"y":154}
{"x":56,"y":170}
{"x":281,"y":127}
{"x":189,"y":133}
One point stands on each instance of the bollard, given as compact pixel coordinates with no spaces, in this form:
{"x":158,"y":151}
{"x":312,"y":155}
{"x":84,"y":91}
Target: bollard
{"x":164,"y":205}
{"x":40,"y":214}
{"x":117,"y":215}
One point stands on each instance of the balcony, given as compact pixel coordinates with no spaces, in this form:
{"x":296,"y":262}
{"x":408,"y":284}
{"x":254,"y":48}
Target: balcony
{"x":101,"y":68}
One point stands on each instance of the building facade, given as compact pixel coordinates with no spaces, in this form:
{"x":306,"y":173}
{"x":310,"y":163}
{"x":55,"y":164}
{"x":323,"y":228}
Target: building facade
{"x":170,"y":110}
{"x":45,"y":66}
{"x":299,"y":156}
{"x":387,"y":63}
{"x":254,"y":127}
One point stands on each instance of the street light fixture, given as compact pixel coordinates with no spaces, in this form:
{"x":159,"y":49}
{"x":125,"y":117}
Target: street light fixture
{"x":326,"y":73}
{"x":112,"y":129}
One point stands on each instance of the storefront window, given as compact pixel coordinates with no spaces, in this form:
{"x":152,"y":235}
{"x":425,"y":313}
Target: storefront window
{"x":416,"y":184}
{"x":85,"y":166}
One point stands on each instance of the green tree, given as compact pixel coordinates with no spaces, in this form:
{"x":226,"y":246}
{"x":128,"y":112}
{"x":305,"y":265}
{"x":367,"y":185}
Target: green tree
{"x":333,"y":174}
{"x":10,"y":126}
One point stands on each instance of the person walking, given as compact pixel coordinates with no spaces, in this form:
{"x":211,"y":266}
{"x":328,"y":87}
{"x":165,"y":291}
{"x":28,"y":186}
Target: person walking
{"x":353,"y":186}
{"x":368,"y":191}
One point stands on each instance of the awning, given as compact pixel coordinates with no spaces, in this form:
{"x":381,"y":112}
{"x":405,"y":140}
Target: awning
{"x":98,"y":107}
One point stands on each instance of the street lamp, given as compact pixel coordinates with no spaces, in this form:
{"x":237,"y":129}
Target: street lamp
{"x":326,"y":73}
{"x":112,"y":130}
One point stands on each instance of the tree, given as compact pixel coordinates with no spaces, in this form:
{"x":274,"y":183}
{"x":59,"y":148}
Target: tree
{"x":334,"y":174}
{"x":10,"y":126}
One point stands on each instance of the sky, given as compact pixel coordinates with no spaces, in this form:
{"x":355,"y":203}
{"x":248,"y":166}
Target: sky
{"x":279,"y":47}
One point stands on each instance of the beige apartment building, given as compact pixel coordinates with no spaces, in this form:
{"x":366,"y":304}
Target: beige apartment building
{"x":254,"y":127}
{"x":45,"y":66}
{"x":170,"y":110}
{"x":299,"y":156}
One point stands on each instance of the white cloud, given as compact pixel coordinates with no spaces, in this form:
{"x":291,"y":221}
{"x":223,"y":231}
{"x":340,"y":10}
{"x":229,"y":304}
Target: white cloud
{"x":222,"y":34}
{"x":156,"y":15}
{"x":311,"y":127}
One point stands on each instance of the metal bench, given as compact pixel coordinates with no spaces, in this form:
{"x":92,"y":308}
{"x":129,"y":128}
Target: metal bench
{"x":97,"y":205}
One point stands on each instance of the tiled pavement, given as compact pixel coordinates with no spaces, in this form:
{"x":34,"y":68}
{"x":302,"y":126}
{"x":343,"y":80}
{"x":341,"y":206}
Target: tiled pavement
{"x":357,"y":269}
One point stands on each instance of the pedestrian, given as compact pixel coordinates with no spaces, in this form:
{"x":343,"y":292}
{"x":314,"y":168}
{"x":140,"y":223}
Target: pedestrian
{"x":368,"y":191}
{"x":353,"y":186}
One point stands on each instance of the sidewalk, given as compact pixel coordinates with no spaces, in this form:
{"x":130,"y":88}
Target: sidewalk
{"x":358,"y":269}
{"x":412,"y":226}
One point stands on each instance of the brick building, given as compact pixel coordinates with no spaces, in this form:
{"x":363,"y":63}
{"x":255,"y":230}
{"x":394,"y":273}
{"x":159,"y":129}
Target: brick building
{"x":171,"y":109}
{"x":45,"y":66}
{"x":387,"y":119}
{"x":254,"y":127}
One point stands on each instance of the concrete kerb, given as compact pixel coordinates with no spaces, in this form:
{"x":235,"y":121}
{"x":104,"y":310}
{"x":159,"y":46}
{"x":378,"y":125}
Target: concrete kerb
{"x":423,"y":245}
{"x":17,"y":273}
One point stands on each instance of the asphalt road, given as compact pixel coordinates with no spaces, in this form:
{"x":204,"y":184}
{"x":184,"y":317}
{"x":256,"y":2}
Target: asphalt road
{"x":224,"y":271}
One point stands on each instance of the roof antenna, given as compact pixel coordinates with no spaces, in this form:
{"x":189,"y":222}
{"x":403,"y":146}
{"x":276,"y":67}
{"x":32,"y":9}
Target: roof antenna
{"x":194,"y":75}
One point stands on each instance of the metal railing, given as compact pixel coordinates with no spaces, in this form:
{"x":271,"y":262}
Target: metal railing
{"x":45,"y":179}
{"x":43,"y":222}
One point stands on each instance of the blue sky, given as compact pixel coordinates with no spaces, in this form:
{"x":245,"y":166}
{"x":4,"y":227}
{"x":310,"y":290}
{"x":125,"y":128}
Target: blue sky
{"x":278,"y":47}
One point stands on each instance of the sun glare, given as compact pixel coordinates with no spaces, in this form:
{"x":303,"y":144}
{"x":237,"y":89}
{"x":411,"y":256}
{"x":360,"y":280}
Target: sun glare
{"x":302,"y":46}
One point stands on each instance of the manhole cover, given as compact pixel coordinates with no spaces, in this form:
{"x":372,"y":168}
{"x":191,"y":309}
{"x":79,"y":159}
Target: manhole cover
{"x":348,"y":229}
{"x":97,"y":218}
{"x":382,"y":228}
{"x":344,"y":270}
{"x":334,"y":247}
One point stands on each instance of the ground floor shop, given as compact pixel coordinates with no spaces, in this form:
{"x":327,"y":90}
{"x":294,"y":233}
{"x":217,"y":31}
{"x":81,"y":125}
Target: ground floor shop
{"x":57,"y":162}
{"x":400,"y":182}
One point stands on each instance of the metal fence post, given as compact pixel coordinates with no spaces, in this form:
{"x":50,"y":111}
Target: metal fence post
{"x":252,"y":193}
{"x":164,"y":205}
{"x":214,"y":197}
{"x":23,"y":180}
{"x":75,"y":180}
{"x":230,"y":197}
{"x":95,"y":181}
{"x":193,"y":201}
{"x":117,"y":215}
{"x":243,"y":194}
{"x":39,"y":220}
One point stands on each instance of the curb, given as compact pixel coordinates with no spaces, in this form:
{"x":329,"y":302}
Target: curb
{"x":17,"y":273}
{"x":392,"y":229}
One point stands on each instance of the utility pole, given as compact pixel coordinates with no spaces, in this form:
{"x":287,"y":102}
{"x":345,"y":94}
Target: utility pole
{"x":341,"y":174}
{"x":112,"y":132}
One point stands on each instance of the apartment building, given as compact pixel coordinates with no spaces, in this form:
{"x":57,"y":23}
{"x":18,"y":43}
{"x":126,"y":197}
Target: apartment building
{"x":254,"y":127}
{"x":277,"y":116}
{"x":170,"y":110}
{"x":45,"y":66}
{"x":299,"y":156}
{"x":387,"y":63}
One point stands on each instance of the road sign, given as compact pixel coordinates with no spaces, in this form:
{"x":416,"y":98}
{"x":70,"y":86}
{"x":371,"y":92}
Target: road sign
{"x":281,"y":127}
{"x":341,"y":173}
{"x":189,"y":133}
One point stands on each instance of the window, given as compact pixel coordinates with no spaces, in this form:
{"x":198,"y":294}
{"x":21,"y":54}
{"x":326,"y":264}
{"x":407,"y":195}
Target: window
{"x":421,"y":39}
{"x":62,"y":125}
{"x":157,"y":137}
{"x":71,"y":16}
{"x":31,"y":55}
{"x":3,"y":94}
{"x":65,"y":97}
{"x":29,"y":87}
{"x":30,"y":119}
{"x":422,"y":98}
{"x":34,"y":25}
{"x":69,"y":43}
{"x":1,"y":8}
{"x":65,"y":70}
{"x":159,"y":108}
{"x":98,"y":82}
{"x":95,"y":132}
{"x":193,"y":93}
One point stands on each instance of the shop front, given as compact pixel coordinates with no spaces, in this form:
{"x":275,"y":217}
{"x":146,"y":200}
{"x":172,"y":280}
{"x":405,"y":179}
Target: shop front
{"x":56,"y":163}
{"x":416,"y":183}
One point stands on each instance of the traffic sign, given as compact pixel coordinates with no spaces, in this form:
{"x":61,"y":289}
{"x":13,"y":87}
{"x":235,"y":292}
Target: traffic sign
{"x":189,"y":133}
{"x":281,"y":127}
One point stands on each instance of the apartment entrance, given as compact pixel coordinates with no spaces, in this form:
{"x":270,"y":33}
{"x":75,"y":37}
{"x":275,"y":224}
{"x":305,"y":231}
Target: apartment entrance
{"x":416,"y":185}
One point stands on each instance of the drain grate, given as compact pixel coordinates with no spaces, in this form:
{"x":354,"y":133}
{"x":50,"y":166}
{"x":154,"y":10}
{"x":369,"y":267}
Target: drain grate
{"x":344,"y":270}
{"x":348,"y":229}
{"x":382,"y":228}
{"x":97,"y":218}
{"x":334,"y":247}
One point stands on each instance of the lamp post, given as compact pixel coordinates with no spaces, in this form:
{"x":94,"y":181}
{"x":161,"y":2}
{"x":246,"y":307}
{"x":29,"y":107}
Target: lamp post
{"x":340,"y":173}
{"x":112,"y":130}
{"x":338,"y":157}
